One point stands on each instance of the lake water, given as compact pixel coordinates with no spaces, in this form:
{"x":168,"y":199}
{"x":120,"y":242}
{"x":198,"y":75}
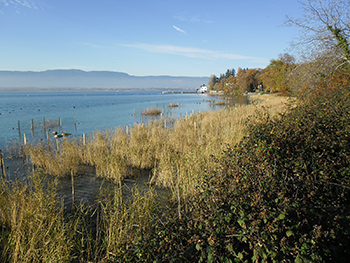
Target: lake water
{"x":86,"y":112}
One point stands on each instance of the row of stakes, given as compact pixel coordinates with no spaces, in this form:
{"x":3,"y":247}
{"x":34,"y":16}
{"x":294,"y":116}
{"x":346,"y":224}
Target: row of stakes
{"x":55,"y":134}
{"x":45,"y":125}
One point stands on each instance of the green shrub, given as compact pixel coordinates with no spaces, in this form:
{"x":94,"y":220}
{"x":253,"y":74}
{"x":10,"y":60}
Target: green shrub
{"x":284,"y":192}
{"x":282,"y":195}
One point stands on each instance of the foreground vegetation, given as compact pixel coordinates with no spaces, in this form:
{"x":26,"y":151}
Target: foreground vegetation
{"x":278,"y":193}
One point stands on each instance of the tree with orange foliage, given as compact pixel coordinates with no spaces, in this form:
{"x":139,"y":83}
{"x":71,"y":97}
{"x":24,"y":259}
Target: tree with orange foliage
{"x":275,"y":75}
{"x":247,"y":79}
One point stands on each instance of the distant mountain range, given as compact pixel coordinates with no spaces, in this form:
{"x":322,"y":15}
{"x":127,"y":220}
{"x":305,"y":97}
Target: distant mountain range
{"x":79,"y":79}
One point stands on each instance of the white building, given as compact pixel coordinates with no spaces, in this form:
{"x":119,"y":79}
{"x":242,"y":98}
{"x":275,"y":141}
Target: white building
{"x":203,"y":89}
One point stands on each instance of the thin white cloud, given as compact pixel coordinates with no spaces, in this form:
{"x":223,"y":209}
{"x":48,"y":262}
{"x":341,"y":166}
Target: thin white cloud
{"x":4,"y":2}
{"x":194,"y":19}
{"x":193,"y":52}
{"x":24,"y":3}
{"x":180,"y":30}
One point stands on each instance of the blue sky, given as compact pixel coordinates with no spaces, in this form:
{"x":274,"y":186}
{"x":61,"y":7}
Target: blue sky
{"x":144,"y":37}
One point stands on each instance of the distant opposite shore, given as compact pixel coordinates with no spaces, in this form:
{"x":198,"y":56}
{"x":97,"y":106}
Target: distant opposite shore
{"x":73,"y":79}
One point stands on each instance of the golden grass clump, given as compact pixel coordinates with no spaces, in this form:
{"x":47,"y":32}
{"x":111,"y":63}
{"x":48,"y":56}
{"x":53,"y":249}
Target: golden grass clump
{"x":151,"y":112}
{"x":124,"y":221}
{"x":57,"y":161}
{"x":173,"y":105}
{"x":14,"y":149}
{"x":102,"y":153}
{"x":33,"y":227}
{"x":220,"y":103}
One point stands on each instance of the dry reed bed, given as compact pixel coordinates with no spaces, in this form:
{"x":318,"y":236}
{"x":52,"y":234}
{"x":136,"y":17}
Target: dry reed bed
{"x":175,"y":156}
{"x":34,"y":227}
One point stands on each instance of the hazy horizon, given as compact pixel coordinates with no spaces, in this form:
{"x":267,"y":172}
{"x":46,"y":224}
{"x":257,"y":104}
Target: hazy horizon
{"x":93,"y":80}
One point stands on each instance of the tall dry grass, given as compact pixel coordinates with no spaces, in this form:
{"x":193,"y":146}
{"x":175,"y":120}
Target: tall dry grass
{"x":32,"y":226}
{"x":194,"y":140}
{"x":57,"y":161}
{"x":123,"y":220}
{"x":176,"y":157}
{"x":35,"y":228}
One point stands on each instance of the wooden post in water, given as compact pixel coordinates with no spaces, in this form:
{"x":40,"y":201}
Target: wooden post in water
{"x":57,"y":145}
{"x":59,"y":124}
{"x":75,"y":124}
{"x":44,"y":124}
{"x":84,"y":139}
{"x":32,"y":127}
{"x":24,"y":145}
{"x":19,"y":129}
{"x":2,"y":163}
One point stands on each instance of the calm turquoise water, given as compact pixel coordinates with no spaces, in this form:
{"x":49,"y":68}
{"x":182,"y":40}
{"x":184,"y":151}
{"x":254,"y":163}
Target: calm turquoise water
{"x":86,"y":112}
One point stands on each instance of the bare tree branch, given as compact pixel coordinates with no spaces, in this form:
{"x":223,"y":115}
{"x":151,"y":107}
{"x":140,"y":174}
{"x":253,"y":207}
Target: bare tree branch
{"x":325,"y":26}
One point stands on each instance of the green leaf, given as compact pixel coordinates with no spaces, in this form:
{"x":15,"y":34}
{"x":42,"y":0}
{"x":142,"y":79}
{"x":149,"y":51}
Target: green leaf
{"x":198,"y":247}
{"x":210,"y":255}
{"x":281,"y":216}
{"x":229,"y":248}
{"x":241,"y":222}
{"x":298,"y":260}
{"x":289,"y":233}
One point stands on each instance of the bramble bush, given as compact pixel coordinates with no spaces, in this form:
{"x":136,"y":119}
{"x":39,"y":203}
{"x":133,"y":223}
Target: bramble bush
{"x":281,"y":195}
